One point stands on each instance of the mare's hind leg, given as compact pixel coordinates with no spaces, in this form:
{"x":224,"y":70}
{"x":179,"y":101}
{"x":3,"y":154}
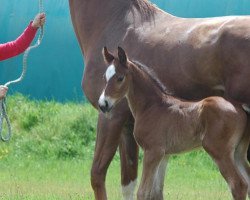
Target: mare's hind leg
{"x":224,"y":158}
{"x":151,"y":161}
{"x":108,"y":137}
{"x":128,"y":149}
{"x":241,"y":156}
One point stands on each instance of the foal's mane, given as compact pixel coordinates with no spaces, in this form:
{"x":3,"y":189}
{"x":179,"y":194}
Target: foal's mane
{"x":152,"y":76}
{"x":145,"y":7}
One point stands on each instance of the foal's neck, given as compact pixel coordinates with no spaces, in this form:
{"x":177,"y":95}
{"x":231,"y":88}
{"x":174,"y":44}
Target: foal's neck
{"x":144,"y":92}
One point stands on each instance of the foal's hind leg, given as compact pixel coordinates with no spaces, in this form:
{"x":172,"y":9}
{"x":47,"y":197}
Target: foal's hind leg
{"x":241,"y":156}
{"x":225,"y":161}
{"x":243,"y":165}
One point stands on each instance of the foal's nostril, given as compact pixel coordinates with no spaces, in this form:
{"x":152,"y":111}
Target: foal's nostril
{"x":104,"y":107}
{"x":106,"y":104}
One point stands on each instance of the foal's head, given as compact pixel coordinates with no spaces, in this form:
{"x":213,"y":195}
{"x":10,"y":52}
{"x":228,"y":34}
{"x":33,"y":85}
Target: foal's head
{"x":116,"y":77}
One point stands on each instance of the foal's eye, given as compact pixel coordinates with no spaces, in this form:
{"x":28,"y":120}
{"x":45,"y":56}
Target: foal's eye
{"x":120,"y":78}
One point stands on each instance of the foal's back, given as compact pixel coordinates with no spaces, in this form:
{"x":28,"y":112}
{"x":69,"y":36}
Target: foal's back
{"x":180,"y":126}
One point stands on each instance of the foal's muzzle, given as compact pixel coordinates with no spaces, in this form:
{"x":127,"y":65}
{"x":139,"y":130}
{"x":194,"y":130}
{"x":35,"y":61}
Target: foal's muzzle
{"x":105,"y":108}
{"x":105,"y":104}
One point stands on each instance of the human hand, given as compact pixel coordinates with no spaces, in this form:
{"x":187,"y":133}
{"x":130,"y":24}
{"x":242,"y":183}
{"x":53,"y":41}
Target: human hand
{"x":39,"y":20}
{"x":3,"y":91}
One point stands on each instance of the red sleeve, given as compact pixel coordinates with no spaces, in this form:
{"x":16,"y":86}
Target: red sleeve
{"x":18,"y":46}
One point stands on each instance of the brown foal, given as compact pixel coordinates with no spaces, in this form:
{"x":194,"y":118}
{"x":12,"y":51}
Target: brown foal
{"x":165,"y":125}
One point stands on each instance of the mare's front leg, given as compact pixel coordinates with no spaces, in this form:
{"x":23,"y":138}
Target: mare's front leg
{"x":129,"y":150}
{"x":151,"y":162}
{"x":108,"y":137}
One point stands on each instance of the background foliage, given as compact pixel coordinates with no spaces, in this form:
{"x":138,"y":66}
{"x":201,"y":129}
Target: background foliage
{"x":49,"y":129}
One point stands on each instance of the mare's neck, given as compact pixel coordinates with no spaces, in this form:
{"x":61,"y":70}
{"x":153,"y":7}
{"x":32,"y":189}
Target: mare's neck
{"x":143,"y":93}
{"x":105,"y":22}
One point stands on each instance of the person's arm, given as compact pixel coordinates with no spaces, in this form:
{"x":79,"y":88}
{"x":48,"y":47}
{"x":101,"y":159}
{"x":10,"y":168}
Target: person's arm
{"x":18,"y":46}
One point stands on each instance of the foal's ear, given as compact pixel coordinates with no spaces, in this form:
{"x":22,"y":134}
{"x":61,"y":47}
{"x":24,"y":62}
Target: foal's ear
{"x":122,"y":56}
{"x":108,"y":57}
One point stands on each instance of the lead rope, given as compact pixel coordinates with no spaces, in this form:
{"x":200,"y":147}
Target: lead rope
{"x":3,"y":111}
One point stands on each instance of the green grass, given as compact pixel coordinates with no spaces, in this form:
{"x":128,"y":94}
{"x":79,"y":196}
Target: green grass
{"x":50,"y":154}
{"x":50,"y":129}
{"x":69,"y":179}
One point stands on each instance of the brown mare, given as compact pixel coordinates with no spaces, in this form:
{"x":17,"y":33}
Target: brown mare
{"x":195,"y":58}
{"x":165,"y":125}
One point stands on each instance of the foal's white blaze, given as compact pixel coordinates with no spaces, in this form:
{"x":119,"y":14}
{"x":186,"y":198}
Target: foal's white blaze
{"x":128,"y":190}
{"x":110,"y":72}
{"x":101,"y":100}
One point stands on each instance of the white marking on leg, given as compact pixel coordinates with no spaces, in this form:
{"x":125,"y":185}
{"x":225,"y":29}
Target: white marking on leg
{"x":128,"y":190}
{"x":160,"y":176}
{"x":110,"y":72}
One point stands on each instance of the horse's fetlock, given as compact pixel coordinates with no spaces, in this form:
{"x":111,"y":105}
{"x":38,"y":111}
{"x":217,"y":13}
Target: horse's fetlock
{"x":143,"y":195}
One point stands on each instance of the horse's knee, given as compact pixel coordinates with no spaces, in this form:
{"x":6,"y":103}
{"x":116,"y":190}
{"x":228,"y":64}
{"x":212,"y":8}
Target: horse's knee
{"x":97,"y":177}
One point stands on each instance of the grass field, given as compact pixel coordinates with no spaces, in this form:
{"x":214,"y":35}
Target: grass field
{"x":189,"y":177}
{"x":50,"y":155}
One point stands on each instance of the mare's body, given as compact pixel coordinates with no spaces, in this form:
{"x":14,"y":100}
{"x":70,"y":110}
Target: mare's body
{"x":196,"y":58}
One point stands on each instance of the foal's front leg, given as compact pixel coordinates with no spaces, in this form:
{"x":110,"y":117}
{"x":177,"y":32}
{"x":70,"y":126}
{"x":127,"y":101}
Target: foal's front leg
{"x":157,"y":190}
{"x":151,"y":161}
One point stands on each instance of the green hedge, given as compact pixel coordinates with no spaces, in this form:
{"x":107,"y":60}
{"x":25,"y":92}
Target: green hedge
{"x":49,"y":129}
